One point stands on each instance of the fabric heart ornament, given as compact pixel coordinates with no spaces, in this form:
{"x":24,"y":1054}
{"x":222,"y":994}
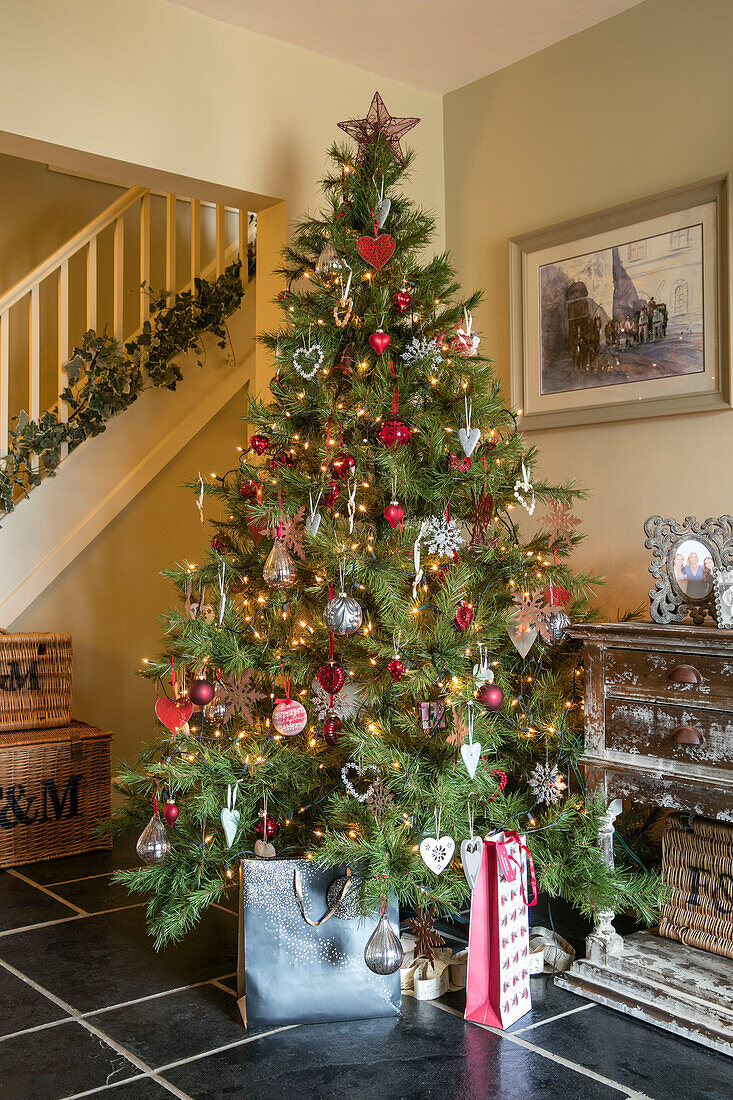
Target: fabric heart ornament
{"x":472,"y":851}
{"x":379,"y":341}
{"x":384,"y":208}
{"x":482,"y":674}
{"x":376,"y":251}
{"x":468,"y":439}
{"x":394,"y":514}
{"x":312,"y":524}
{"x":522,"y":640}
{"x":557,"y":596}
{"x":264,"y":849}
{"x":174,"y":713}
{"x":471,"y":754}
{"x":463,"y":615}
{"x":437,"y":852}
{"x":230,"y":824}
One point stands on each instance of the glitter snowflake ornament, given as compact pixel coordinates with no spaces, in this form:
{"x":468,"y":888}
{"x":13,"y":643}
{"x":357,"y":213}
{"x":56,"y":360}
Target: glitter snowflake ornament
{"x":424,"y":352}
{"x":442,"y":535}
{"x":547,"y":784}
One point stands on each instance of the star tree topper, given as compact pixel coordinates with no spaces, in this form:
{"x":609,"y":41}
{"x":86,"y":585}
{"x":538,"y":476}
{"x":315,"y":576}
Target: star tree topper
{"x":365,"y":131}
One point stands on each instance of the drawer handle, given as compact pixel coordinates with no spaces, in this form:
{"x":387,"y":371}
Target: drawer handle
{"x":685,"y":674}
{"x":688,"y":735}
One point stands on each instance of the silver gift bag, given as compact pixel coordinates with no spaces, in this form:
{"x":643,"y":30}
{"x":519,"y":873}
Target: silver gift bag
{"x":301,"y":961}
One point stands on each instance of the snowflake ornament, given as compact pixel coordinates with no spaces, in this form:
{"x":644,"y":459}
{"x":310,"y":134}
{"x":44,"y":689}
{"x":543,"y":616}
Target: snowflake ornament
{"x":443,"y":536}
{"x":559,"y":522}
{"x":345,"y":704}
{"x":293,"y":528}
{"x":240,"y":695}
{"x":530,"y":611}
{"x":426,"y":937}
{"x":547,"y":784}
{"x":379,"y":800}
{"x":425,"y":352}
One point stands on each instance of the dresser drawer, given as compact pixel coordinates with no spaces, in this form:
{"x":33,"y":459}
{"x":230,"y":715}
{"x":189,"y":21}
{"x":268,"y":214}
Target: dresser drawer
{"x":670,"y":732}
{"x":679,"y":677}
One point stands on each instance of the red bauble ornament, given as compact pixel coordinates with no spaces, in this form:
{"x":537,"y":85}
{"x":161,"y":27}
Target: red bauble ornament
{"x":170,"y":812}
{"x":343,"y":464}
{"x":219,"y":543}
{"x":395,"y":433}
{"x":289,"y":717}
{"x":259,"y":443}
{"x":403,"y":300}
{"x":267,"y":825}
{"x":248,"y":489}
{"x":333,"y":492}
{"x":463,"y":615}
{"x":201,"y":692}
{"x":396,"y":669}
{"x":376,"y":251}
{"x":379,"y":341}
{"x":331,"y":678}
{"x":491,"y":696}
{"x":331,"y":728}
{"x":394,"y":514}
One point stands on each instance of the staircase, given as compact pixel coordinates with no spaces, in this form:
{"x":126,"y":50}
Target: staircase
{"x":93,"y":280}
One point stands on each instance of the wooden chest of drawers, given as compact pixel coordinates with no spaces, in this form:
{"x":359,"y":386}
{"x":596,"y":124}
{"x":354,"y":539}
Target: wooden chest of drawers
{"x":659,"y":715}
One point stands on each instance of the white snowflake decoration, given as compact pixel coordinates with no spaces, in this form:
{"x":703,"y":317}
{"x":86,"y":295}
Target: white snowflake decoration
{"x":443,"y":536}
{"x":426,"y":352}
{"x":345,"y":704}
{"x":547,"y":784}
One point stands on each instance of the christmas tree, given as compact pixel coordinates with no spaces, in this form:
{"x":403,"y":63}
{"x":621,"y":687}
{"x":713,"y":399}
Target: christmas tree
{"x":381,"y":669}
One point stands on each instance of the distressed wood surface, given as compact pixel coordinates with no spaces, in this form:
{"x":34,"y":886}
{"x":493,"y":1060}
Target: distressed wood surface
{"x":648,"y":729}
{"x":646,"y":674}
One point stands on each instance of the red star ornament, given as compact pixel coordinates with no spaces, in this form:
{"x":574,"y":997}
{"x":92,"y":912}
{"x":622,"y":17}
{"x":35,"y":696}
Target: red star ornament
{"x":365,"y":131}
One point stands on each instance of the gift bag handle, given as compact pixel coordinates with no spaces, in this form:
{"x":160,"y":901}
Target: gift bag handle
{"x":298,"y":887}
{"x":529,"y":904}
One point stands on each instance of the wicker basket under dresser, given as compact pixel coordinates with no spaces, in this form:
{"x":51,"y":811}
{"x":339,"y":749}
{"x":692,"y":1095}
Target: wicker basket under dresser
{"x":658,"y":730}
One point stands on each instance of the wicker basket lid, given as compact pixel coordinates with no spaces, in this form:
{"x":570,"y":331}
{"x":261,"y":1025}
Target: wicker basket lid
{"x":75,"y":731}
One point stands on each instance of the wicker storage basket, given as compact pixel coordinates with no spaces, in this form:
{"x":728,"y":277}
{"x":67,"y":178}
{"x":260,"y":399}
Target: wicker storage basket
{"x":54,"y":790}
{"x":35,"y":681}
{"x":697,"y":863}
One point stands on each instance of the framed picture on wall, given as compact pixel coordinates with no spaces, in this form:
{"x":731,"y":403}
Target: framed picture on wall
{"x":623,"y":314}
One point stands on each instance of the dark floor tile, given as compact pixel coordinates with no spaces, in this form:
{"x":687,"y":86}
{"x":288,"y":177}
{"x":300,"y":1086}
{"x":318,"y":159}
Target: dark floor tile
{"x":58,"y":1062}
{"x":51,"y":871}
{"x":22,"y":1007}
{"x":142,"y":1089}
{"x":230,"y":983}
{"x":330,"y":1062}
{"x":547,"y":1001}
{"x":22,"y":904}
{"x":164,"y":1029}
{"x":638,"y":1056}
{"x":96,"y":895}
{"x":104,"y":960}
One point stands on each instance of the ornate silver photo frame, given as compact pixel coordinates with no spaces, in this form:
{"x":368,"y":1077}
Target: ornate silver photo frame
{"x":723,"y":585}
{"x":685,"y":560}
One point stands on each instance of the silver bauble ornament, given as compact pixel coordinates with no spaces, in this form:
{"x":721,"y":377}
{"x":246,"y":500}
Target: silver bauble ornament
{"x":329,"y":262}
{"x":555,"y":625}
{"x":214,"y":711}
{"x":343,"y":615}
{"x":383,"y":953}
{"x":279,"y":571}
{"x":154,"y":845}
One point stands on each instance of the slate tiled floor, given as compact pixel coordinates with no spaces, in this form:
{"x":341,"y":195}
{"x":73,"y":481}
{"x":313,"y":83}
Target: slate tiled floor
{"x":87,"y":1008}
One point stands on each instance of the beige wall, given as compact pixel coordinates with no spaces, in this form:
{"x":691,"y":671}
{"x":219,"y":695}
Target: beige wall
{"x":634,"y":106}
{"x":150,"y":83}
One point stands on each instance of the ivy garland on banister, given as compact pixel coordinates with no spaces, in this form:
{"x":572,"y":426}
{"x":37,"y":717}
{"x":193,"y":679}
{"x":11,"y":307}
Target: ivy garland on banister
{"x":103,"y":380}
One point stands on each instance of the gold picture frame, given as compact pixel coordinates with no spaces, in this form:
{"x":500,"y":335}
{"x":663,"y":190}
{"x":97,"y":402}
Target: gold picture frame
{"x":624,"y":314}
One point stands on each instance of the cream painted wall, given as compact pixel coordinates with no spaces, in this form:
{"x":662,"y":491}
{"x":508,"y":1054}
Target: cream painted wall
{"x":150,"y":83}
{"x":634,"y":106}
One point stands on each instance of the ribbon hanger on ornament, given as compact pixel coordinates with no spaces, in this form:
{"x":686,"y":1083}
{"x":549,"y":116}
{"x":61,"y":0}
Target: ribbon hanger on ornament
{"x":200,"y":499}
{"x":222,"y":593}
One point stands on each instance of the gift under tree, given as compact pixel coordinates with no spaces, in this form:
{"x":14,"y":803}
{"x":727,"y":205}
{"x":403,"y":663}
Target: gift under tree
{"x":370,"y":666}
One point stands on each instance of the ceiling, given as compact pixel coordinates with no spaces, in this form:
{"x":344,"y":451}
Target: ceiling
{"x":436,"y":45}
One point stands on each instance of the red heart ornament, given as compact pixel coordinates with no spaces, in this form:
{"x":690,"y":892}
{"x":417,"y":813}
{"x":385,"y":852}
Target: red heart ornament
{"x":257,"y":528}
{"x":394,"y":513}
{"x":463,"y":616}
{"x":379,"y":341}
{"x":557,"y":596}
{"x":173,"y":713}
{"x":376,"y":251}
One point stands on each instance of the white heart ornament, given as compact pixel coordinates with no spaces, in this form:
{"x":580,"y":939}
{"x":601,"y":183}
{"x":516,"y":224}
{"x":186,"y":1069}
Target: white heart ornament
{"x":230,"y":824}
{"x":471,"y":753}
{"x":468,"y":439}
{"x":437,"y":852}
{"x":523,"y":641}
{"x":482,"y":674}
{"x":472,"y":851}
{"x":313,"y":523}
{"x":302,"y":359}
